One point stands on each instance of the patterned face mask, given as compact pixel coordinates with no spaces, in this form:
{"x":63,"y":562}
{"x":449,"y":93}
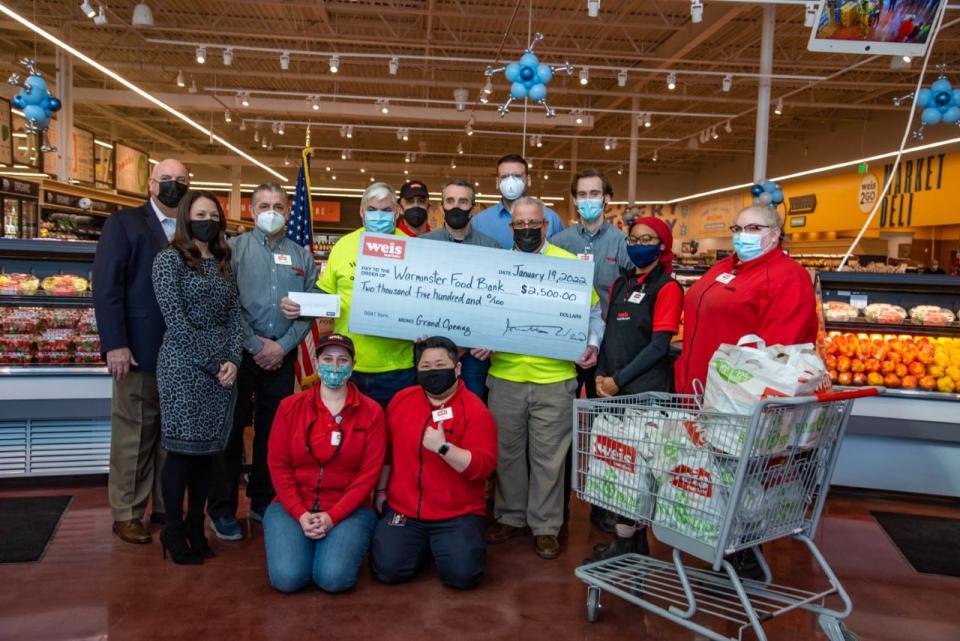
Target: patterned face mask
{"x":333,"y":376}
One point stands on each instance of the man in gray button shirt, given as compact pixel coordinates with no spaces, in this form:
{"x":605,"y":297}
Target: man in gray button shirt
{"x":267,"y":266}
{"x":458,"y":199}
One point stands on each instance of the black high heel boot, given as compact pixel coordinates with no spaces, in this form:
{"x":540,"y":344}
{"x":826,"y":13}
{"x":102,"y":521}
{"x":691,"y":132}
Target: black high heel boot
{"x":197,"y":537}
{"x":173,"y":539}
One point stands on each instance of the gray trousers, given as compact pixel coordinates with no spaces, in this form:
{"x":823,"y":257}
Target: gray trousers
{"x":534,"y":427}
{"x":136,"y":457}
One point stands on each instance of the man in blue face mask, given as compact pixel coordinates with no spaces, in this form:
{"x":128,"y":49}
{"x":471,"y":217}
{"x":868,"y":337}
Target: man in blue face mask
{"x":513,"y":180}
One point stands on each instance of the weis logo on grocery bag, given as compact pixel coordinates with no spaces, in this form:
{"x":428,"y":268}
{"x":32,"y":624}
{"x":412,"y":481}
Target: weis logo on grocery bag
{"x":616,"y":454}
{"x":731,"y":374}
{"x":385,"y":248}
{"x":695,"y":481}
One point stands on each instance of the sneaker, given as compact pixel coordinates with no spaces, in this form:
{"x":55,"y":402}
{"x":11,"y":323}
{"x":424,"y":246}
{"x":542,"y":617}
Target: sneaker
{"x":226,"y":528}
{"x":256,"y":515}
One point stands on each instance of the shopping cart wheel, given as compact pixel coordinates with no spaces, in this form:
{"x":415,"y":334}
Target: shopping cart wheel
{"x":593,"y":604}
{"x":836,"y":630}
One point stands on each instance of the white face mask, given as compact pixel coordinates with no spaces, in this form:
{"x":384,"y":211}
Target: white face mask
{"x":270,"y":222}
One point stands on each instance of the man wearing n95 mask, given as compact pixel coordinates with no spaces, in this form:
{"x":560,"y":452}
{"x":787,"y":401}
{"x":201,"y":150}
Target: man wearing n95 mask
{"x":513,"y":180}
{"x":268,"y":265}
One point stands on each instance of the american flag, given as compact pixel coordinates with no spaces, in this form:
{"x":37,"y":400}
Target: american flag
{"x":300,"y":231}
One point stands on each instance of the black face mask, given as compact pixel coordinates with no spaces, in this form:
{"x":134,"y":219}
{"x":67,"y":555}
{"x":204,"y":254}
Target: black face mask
{"x":415,"y":216}
{"x":456,"y":218}
{"x":204,"y":230}
{"x":527,"y":240}
{"x":436,"y":381}
{"x":171,"y":192}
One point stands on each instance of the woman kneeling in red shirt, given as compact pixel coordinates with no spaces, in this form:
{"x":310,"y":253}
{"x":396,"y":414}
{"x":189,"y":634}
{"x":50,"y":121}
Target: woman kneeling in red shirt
{"x":325,"y":454}
{"x":444,"y":447}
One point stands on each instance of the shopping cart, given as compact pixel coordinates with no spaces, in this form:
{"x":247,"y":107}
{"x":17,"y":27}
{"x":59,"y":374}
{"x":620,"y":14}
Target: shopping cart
{"x":710,"y":485}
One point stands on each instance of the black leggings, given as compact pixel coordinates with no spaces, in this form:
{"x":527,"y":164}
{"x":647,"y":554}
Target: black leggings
{"x":183,"y":472}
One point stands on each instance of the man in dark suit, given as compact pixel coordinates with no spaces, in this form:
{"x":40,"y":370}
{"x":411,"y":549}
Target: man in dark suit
{"x":131,"y":330}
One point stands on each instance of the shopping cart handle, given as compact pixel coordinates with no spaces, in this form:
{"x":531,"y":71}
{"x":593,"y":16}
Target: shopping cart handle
{"x":849,"y":394}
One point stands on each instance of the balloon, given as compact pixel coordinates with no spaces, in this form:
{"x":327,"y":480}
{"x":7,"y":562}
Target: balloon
{"x":528,"y":74}
{"x":519,"y":91}
{"x":769,"y":186}
{"x":776,"y":197}
{"x":545,"y":73}
{"x":943,"y":99}
{"x":55,"y":104}
{"x":940,"y":85}
{"x":538,"y":92}
{"x":512,"y":72}
{"x":35,"y":113}
{"x":756,"y":190}
{"x":529,"y":60}
{"x":951,"y":115}
{"x":930,"y":116}
{"x":764,"y":198}
{"x":17,"y":102}
{"x":923,"y":98}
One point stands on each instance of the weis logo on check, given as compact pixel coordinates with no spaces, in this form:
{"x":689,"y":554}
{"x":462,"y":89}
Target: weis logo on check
{"x":385,"y":249}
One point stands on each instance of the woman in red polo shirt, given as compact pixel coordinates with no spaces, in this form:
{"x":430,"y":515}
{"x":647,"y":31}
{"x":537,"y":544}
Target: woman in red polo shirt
{"x":443,"y":443}
{"x":643,"y":317}
{"x":325,"y":455}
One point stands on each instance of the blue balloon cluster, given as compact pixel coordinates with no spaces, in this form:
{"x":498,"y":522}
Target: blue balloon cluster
{"x":528,"y":78}
{"x":769,"y":193}
{"x":35,"y":101}
{"x":940,"y":103}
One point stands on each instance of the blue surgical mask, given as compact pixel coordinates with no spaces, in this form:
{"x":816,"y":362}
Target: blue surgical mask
{"x":512,"y":187}
{"x":380,"y":221}
{"x":334,"y":376}
{"x":643,"y":255}
{"x":748,"y":246}
{"x":590,"y":209}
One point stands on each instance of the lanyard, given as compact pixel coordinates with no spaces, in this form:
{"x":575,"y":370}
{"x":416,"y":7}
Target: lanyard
{"x":316,"y":491}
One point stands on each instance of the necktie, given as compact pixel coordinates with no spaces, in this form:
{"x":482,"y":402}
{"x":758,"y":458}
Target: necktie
{"x":169,"y":227}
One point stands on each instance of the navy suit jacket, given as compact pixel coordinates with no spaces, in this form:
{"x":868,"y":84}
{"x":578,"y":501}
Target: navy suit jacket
{"x":127,"y":311}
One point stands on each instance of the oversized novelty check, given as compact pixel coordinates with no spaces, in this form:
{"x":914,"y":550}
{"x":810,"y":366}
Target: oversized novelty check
{"x":482,"y":297}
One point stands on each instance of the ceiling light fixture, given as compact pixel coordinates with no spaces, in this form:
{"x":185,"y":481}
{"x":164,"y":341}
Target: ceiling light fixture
{"x":584,"y":75}
{"x":201,"y":55}
{"x":285,"y":60}
{"x":593,"y":8}
{"x":393,"y":65}
{"x":907,"y":59}
{"x":672,"y":80}
{"x":453,"y":164}
{"x":286,"y":161}
{"x":180,"y":81}
{"x":406,"y":158}
{"x":243,"y":125}
{"x":727,"y":128}
{"x":362,"y":170}
{"x":778,"y":108}
{"x":228,"y":56}
{"x":334,"y":63}
{"x":226,"y":116}
{"x":468,"y":128}
{"x":622,"y":78}
{"x":459,"y":147}
{"x":142,"y":15}
{"x":696,"y":11}
{"x":647,"y":120}
{"x":314,"y":103}
{"x":87,"y":9}
{"x":245,"y":99}
{"x":101,"y":18}
{"x":256,"y":135}
{"x":619,"y":171}
{"x":727,"y":83}
{"x":263,"y":141}
{"x":280,"y":129}
{"x":713,"y":133}
{"x":344,"y":154}
{"x":460,"y":96}
{"x":384,"y":105}
{"x":193,"y":86}
{"x":654,"y":158}
{"x":810,"y":14}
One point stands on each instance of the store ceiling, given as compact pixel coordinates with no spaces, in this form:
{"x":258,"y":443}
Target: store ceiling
{"x":444,"y":45}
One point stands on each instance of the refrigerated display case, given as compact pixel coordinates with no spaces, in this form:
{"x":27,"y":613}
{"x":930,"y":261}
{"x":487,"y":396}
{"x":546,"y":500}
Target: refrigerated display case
{"x":903,"y":329}
{"x":18,"y":208}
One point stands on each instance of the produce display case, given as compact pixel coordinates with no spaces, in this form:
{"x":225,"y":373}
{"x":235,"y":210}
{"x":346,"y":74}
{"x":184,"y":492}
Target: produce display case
{"x":903,"y":329}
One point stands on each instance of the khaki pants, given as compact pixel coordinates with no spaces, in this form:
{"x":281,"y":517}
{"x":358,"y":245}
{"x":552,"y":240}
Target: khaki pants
{"x":535,"y":424}
{"x":136,"y":458}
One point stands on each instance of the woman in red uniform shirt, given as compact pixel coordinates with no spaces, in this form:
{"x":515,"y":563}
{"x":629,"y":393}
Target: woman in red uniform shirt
{"x":759,"y":290}
{"x":325,"y":455}
{"x":643,"y":316}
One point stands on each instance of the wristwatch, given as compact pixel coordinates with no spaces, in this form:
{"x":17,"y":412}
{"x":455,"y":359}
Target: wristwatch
{"x":444,"y":449}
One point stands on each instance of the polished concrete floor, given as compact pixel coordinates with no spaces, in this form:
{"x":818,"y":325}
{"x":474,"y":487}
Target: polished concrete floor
{"x":90,"y":585}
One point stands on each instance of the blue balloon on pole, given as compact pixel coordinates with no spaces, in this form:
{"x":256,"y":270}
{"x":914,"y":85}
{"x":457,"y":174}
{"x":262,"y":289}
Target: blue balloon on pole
{"x":544,"y":72}
{"x":55,"y":104}
{"x":17,"y":102}
{"x":512,"y":72}
{"x":519,"y":91}
{"x":930,"y":116}
{"x":35,"y":113}
{"x":941,"y":85}
{"x":756,"y":190}
{"x":529,"y":60}
{"x":538,"y":92}
{"x":923,"y":98}
{"x":769,"y":186}
{"x":951,"y":116}
{"x":776,"y":197}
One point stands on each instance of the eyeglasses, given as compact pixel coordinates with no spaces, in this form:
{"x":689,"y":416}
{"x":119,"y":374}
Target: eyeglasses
{"x":646,"y":239}
{"x":750,"y":229}
{"x":527,"y":224}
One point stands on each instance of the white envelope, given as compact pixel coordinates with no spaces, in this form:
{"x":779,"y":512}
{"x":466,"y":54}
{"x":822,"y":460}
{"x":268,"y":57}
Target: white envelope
{"x":317,"y":305}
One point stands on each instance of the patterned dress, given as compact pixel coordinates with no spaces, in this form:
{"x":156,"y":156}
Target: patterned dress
{"x":202,"y":313}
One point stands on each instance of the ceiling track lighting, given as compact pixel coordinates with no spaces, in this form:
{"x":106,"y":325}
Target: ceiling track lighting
{"x":593,"y":8}
{"x":280,"y":129}
{"x":314,"y":102}
{"x":403,"y":134}
{"x":226,"y":116}
{"x":346,"y":131}
{"x":647,"y":120}
{"x":453,"y":164}
{"x":727,"y":128}
{"x":468,"y":128}
{"x":263,"y":141}
{"x":256,"y":135}
{"x":285,"y":60}
{"x":459,"y":147}
{"x":384,"y":105}
{"x":488,"y":87}
{"x":245,"y":99}
{"x":696,"y":11}
{"x":87,"y":9}
{"x":334,"y":63}
{"x":201,"y":55}
{"x":622,"y":78}
{"x":142,"y":16}
{"x":654,"y":157}
{"x":193,"y":86}
{"x":460,"y":96}
{"x":713,"y":133}
{"x":778,"y":108}
{"x":584,"y":75}
{"x":809,"y":14}
{"x":243,"y":125}
{"x":101,"y":18}
{"x":619,"y":171}
{"x":394,"y":65}
{"x":727,"y":83}
{"x":672,"y":80}
{"x":180,"y":81}
{"x":228,"y":56}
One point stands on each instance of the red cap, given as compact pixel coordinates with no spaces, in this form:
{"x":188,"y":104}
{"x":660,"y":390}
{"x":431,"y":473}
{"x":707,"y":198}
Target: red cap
{"x":662,"y":230}
{"x":336,"y":339}
{"x":413,"y":188}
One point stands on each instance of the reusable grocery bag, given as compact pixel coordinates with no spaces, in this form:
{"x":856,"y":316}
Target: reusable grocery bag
{"x":618,"y":477}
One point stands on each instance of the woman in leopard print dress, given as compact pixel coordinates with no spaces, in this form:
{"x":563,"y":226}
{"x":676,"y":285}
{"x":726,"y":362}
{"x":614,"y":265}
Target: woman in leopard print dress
{"x":197,"y":366}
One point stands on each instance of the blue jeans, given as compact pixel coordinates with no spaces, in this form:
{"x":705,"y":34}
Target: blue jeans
{"x":332,"y":562}
{"x":473,"y":371}
{"x":382,"y":386}
{"x":457,"y":547}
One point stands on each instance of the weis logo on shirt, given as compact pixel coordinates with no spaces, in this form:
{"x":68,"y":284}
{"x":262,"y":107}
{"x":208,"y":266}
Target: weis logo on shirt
{"x":395,"y":249}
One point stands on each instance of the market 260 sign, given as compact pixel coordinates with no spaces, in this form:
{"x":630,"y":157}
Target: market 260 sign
{"x":912,"y":177}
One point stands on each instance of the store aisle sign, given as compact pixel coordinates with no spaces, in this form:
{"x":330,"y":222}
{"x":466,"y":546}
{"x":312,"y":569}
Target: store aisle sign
{"x":869,"y":190}
{"x":325,"y":211}
{"x":476,"y":296}
{"x":131,"y":170}
{"x":913,"y":180}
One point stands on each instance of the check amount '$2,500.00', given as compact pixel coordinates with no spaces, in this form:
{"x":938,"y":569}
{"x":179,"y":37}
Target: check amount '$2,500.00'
{"x":477,"y":296}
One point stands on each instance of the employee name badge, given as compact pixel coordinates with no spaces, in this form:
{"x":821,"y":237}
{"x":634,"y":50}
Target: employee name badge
{"x":398,"y":520}
{"x":725,"y":278}
{"x":335,"y":438}
{"x":586,"y":257}
{"x":636,"y":297}
{"x":442,"y":414}
{"x":282,"y":259}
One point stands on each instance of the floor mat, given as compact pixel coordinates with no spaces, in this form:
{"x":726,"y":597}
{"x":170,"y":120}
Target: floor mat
{"x":930,"y":543}
{"x":27,"y":524}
